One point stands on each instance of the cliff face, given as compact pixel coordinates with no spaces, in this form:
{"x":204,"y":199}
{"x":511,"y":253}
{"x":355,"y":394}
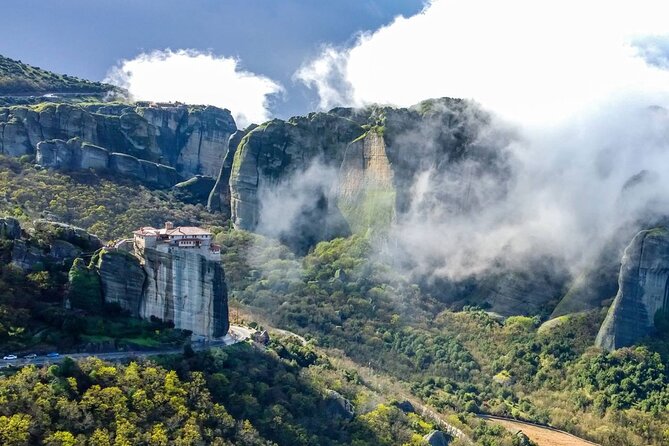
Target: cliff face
{"x":643,"y":289}
{"x":181,"y":286}
{"x":219,"y":198}
{"x":192,"y":140}
{"x":378,"y":152}
{"x":277,"y":151}
{"x":122,"y":279}
{"x":366,"y":192}
{"x":187,"y":288}
{"x":76,"y":155}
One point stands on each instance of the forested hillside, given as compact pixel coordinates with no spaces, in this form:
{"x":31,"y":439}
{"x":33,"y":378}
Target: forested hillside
{"x":18,"y":78}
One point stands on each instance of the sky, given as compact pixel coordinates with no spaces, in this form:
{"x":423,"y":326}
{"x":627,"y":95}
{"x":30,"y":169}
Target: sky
{"x":270,"y":38}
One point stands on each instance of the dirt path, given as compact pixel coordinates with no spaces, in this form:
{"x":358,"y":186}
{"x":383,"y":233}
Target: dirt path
{"x":543,"y":436}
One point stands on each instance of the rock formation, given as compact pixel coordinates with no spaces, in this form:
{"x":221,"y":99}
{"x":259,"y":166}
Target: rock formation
{"x":436,"y":438}
{"x":122,"y":279}
{"x":186,"y":288}
{"x":9,"y":228}
{"x":77,"y":155}
{"x":643,"y":290}
{"x":219,"y":198}
{"x":375,"y":151}
{"x":192,"y":140}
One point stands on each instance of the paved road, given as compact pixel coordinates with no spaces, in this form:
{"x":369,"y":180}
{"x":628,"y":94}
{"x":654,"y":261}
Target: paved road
{"x":542,"y":435}
{"x":236,"y":334}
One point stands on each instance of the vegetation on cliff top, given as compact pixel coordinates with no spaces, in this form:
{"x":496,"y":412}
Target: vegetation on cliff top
{"x":19,"y":78}
{"x":107,"y":206}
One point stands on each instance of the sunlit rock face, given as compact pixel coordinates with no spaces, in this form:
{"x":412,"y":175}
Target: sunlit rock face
{"x":643,"y":291}
{"x":176,"y":277}
{"x":187,"y":288}
{"x":376,"y":153}
{"x":192,"y":140}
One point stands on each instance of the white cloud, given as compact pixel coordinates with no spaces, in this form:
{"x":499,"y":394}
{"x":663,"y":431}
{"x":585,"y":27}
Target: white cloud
{"x":574,"y":79}
{"x":196,"y":78}
{"x":527,"y":60}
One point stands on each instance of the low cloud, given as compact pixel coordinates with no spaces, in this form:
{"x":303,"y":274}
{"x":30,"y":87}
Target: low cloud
{"x":197,"y":78}
{"x":578,"y":84}
{"x":528,"y":61}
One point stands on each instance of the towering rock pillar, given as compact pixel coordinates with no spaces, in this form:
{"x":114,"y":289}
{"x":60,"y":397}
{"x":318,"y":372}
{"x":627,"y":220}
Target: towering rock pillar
{"x":186,"y":287}
{"x":643,"y":291}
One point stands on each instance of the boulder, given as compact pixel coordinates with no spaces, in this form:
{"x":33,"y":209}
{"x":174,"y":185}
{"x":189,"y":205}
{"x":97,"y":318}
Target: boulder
{"x":27,"y":255}
{"x":405,"y":406}
{"x":93,"y":157}
{"x":10,"y":228}
{"x":336,"y":406}
{"x":57,"y":154}
{"x":261,"y":337}
{"x":126,"y":165}
{"x":436,"y":438}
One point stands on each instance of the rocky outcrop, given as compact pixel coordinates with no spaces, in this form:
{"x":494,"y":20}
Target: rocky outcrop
{"x":643,"y":290}
{"x":10,"y":228}
{"x":195,"y":190}
{"x":336,"y":406}
{"x":193,"y":140}
{"x":51,"y":231}
{"x":186,"y":288}
{"x":377,"y":151}
{"x":219,"y":198}
{"x":278,"y":150}
{"x":77,"y":155}
{"x":49,"y":243}
{"x":436,"y":438}
{"x":122,"y":279}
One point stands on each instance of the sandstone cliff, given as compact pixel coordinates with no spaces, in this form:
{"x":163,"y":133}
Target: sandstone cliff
{"x":643,"y":289}
{"x":77,"y":155}
{"x":122,"y":279}
{"x":377,"y":151}
{"x":219,"y":198}
{"x":187,"y":288}
{"x":192,"y":140}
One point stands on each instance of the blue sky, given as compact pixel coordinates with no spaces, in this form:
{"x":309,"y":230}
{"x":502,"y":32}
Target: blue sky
{"x":264,"y":59}
{"x":85,"y":38}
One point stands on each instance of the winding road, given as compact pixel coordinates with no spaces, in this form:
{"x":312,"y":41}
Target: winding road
{"x":236,"y":334}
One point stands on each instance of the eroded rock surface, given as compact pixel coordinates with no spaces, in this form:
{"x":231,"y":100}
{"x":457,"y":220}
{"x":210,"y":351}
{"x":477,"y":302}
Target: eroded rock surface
{"x":122,"y":279}
{"x":77,"y":155}
{"x":187,"y":288}
{"x":643,"y":290}
{"x":192,"y":140}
